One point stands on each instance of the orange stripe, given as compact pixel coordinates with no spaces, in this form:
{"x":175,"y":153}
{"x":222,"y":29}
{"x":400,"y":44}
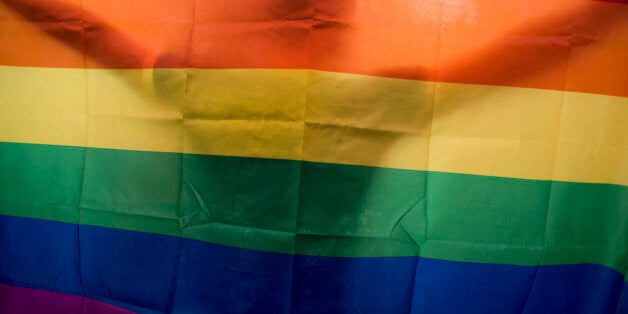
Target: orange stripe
{"x":562,"y":45}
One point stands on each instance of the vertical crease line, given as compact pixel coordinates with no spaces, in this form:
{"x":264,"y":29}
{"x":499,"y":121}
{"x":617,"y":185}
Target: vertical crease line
{"x":84,"y":148}
{"x":551,"y":180}
{"x":291,"y":308}
{"x":177,"y":266}
{"x":427,"y":166}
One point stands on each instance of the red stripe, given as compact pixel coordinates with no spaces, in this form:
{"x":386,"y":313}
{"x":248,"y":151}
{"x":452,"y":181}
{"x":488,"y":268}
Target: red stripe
{"x":616,"y":1}
{"x":561,"y":45}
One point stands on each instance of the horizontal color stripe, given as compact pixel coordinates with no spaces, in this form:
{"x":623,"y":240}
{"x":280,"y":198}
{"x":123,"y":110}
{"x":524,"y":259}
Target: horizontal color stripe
{"x":617,"y":1}
{"x":622,"y":306}
{"x":318,"y":208}
{"x":156,"y":273}
{"x":25,"y":300}
{"x":562,"y":45}
{"x":323,"y":117}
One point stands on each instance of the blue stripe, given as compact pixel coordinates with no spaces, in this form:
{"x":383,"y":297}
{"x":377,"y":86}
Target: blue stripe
{"x":622,"y":306}
{"x":140,"y":271}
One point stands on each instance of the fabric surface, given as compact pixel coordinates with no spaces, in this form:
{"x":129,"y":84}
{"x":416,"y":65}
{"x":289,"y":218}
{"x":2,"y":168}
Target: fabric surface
{"x":313,"y":156}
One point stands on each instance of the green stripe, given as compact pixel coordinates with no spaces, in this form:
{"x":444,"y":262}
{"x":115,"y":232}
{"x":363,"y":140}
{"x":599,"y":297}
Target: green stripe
{"x":318,"y":208}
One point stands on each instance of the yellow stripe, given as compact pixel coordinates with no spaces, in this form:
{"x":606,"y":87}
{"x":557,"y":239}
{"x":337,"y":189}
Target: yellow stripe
{"x":501,"y":131}
{"x":368,"y":120}
{"x":593,"y":142}
{"x":528,"y":133}
{"x":43,"y":106}
{"x":323,"y":116}
{"x":256,"y":113}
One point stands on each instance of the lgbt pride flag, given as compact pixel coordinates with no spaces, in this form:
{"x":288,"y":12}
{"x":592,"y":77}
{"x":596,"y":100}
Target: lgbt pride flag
{"x":313,"y":156}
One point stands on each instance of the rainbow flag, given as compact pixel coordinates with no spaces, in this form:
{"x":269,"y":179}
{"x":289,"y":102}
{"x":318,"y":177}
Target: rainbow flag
{"x":313,"y":156}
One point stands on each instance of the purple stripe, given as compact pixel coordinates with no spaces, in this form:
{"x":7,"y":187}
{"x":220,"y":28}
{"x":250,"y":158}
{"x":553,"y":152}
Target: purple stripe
{"x":26,"y":300}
